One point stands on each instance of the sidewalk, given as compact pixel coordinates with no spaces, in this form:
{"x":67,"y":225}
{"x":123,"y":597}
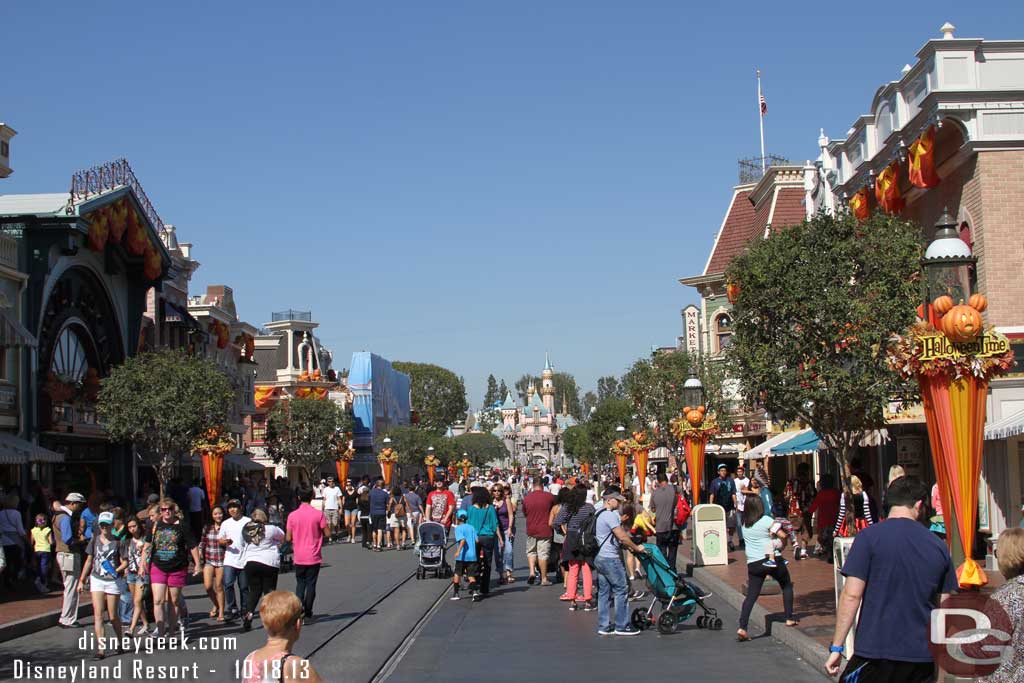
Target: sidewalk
{"x":814,"y":602}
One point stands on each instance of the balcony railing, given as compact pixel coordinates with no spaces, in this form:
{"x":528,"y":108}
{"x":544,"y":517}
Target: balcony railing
{"x":751,"y":169}
{"x":290,"y":314}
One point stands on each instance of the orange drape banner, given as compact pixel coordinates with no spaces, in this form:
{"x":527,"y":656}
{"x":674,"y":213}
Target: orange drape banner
{"x":887,"y":189}
{"x":386,"y":468}
{"x":430,"y":474}
{"x":585,"y":468}
{"x":342,"y":466}
{"x":859,"y":204}
{"x":694,"y":446}
{"x":957,"y":409}
{"x":922,"y":160}
{"x":640,"y":458}
{"x":213,"y":469}
{"x":265,"y":395}
{"x":620,"y":462}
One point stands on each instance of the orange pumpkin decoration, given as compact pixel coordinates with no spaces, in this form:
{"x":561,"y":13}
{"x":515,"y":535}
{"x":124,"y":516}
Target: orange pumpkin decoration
{"x":943,"y":304}
{"x":962,"y":323}
{"x":978,"y":302}
{"x":695,"y":417}
{"x":732,"y":292}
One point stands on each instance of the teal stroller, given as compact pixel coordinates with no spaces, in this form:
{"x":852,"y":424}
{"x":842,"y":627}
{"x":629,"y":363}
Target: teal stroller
{"x":679,"y":599}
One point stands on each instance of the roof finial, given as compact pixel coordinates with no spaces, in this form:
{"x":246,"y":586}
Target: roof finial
{"x":947,"y":31}
{"x":547,"y":362}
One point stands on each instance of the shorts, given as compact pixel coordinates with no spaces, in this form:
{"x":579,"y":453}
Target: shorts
{"x":396,"y":522}
{"x":378,"y":522}
{"x":175,"y":579}
{"x":108,"y":586}
{"x":538,"y":547}
{"x":135,"y":577}
{"x":332,"y":516}
{"x":465,"y":568}
{"x":349,"y":513}
{"x":865,"y":670}
{"x":412,"y":520}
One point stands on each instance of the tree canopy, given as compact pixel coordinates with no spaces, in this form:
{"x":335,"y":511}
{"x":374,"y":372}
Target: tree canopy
{"x":306,"y":433}
{"x":162,"y":402}
{"x":610,"y":386}
{"x":481,"y":449}
{"x":491,"y":395}
{"x":438,"y":394}
{"x":817,"y":305}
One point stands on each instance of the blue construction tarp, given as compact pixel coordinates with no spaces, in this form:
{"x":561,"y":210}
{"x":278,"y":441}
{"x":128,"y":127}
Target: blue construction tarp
{"x":380,"y":397}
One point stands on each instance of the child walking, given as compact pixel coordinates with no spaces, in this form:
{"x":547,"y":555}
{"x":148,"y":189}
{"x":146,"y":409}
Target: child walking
{"x":465,"y":556}
{"x":42,"y":545}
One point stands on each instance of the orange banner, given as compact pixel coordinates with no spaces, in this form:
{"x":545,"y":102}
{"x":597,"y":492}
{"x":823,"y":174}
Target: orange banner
{"x":386,"y":469}
{"x":694,"y":446}
{"x":887,"y":189}
{"x":620,"y":462}
{"x":342,"y":467}
{"x":264,"y":395}
{"x":213,"y":469}
{"x":859,"y":204}
{"x":640,"y":458}
{"x":922,"y":160}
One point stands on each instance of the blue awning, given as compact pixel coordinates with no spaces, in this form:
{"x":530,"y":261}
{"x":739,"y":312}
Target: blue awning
{"x":801,"y":444}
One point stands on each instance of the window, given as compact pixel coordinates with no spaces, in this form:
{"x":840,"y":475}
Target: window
{"x":5,"y":149}
{"x":259,"y":429}
{"x":723,"y":331}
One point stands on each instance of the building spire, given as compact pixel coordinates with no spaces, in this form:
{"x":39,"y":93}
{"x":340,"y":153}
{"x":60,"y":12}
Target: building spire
{"x":547,"y":362}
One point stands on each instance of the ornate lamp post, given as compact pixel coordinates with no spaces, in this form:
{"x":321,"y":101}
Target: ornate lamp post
{"x":432,"y":463}
{"x":345,"y":455}
{"x":953,"y":357}
{"x":620,"y":450}
{"x":694,"y":428}
{"x":387,"y":458}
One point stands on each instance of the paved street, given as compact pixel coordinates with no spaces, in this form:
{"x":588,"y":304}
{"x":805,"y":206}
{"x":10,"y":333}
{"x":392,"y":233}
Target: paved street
{"x":350,"y":582}
{"x":524,"y":633}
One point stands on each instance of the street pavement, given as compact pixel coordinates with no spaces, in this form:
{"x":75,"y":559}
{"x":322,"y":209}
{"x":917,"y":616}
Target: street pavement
{"x":524,"y":633}
{"x":348,"y":643}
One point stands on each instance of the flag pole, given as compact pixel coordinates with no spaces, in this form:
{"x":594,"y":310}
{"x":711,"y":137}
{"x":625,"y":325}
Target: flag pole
{"x":760,"y":119}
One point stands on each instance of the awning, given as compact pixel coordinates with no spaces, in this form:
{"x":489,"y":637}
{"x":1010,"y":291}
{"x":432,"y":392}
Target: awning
{"x":800,"y":444}
{"x":14,"y":451}
{"x":723,"y":450}
{"x":13,"y":333}
{"x":242,"y":462}
{"x":173,"y":313}
{"x":1011,"y":425}
{"x":767,"y":448}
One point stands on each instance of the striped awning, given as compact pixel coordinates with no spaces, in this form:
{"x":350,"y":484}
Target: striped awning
{"x":12,"y":332}
{"x":242,"y":462}
{"x":17,"y":451}
{"x":1011,"y":425}
{"x":765,"y":449}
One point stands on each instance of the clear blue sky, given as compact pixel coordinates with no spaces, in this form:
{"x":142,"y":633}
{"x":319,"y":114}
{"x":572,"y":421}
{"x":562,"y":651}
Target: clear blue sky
{"x":465,"y":183}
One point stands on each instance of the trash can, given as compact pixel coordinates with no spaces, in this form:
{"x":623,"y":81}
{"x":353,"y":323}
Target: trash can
{"x":710,"y":536}
{"x":840,"y":549}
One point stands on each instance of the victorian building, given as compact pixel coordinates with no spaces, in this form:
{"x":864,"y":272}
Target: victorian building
{"x":532,"y":433}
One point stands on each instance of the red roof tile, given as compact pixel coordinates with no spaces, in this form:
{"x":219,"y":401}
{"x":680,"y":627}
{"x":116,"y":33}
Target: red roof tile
{"x":789,"y":207}
{"x":735,"y":232}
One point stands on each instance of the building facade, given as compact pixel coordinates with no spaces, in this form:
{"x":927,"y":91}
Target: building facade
{"x":532,"y":433}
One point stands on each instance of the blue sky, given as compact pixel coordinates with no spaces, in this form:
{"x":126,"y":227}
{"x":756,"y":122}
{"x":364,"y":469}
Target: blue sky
{"x":464,"y":183}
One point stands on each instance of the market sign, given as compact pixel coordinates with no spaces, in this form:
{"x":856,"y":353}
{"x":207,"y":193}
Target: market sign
{"x":938,"y":346}
{"x":691,"y":325}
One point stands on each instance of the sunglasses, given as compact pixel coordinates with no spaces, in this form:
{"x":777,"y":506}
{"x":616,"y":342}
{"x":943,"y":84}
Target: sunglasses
{"x":163,"y":509}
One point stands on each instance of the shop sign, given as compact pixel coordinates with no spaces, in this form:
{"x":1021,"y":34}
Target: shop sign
{"x":691,"y":325}
{"x":939,"y":347}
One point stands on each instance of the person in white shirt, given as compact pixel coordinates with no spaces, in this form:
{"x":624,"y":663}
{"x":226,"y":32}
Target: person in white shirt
{"x":261,"y":555}
{"x":318,"y":495}
{"x":332,"y":506}
{"x":742,"y":487}
{"x":231,"y":538}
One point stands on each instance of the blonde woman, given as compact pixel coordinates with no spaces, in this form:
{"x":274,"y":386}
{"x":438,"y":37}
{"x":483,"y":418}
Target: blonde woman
{"x":895,"y":472}
{"x":859,"y":504}
{"x":1010,"y":596}
{"x":172,"y":544}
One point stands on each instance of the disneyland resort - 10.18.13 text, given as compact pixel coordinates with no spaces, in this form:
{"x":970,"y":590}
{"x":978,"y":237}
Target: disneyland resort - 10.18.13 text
{"x":137,"y":670}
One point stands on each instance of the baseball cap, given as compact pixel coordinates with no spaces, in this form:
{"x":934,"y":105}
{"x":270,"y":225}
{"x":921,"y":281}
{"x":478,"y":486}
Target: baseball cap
{"x":152,"y":499}
{"x":75,"y":498}
{"x":234,"y":503}
{"x":615,"y":496}
{"x":723,"y":466}
{"x":105,"y":518}
{"x":462,"y":514}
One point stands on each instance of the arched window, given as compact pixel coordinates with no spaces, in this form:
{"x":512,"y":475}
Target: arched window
{"x":723,"y":331}
{"x":70,"y":362}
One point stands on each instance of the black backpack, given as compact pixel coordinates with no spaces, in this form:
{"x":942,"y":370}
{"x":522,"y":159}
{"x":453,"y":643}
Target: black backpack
{"x":590,"y":544}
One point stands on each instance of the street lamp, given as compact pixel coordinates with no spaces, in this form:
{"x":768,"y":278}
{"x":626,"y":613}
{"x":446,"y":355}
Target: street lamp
{"x":693,"y":390}
{"x":948,"y":264}
{"x":620,"y":431}
{"x":387,"y":442}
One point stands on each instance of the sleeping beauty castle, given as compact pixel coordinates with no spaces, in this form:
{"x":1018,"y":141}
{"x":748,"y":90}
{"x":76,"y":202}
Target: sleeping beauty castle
{"x":533,"y":432}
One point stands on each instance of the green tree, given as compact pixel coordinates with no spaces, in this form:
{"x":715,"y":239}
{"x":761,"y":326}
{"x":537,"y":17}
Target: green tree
{"x":578,"y":445}
{"x":589,"y":401}
{"x":603,"y":422}
{"x":491,"y":395}
{"x":609,"y":387}
{"x":409,"y":441}
{"x":305,"y":433}
{"x":489,"y":419}
{"x":482,"y":449}
{"x":523,"y":383}
{"x":438,"y":394}
{"x":503,"y":390}
{"x":162,"y":402}
{"x":655,"y":388}
{"x":817,"y":305}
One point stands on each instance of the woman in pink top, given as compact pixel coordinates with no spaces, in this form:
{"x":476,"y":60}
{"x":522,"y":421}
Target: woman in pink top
{"x":281,"y":614}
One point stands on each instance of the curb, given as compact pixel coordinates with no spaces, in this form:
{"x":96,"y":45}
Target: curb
{"x":804,"y":646}
{"x":39,"y":622}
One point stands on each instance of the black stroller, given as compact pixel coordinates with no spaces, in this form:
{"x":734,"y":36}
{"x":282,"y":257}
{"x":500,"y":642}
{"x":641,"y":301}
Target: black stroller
{"x":430,"y":550}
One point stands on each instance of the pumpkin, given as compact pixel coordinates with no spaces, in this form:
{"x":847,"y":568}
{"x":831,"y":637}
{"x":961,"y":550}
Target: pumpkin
{"x":943,"y":304}
{"x":962,"y":323}
{"x":695,"y":417}
{"x":978,"y":302}
{"x":732,"y":292}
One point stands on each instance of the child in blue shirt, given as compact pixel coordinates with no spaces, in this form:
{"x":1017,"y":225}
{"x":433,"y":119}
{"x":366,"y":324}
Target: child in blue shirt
{"x":465,"y":556}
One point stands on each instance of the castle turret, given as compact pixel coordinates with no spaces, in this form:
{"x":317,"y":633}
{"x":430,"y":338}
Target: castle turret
{"x":547,"y":389}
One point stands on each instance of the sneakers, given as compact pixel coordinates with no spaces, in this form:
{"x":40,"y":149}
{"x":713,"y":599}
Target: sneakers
{"x":771,"y":564}
{"x":590,"y":606}
{"x":628,"y":631}
{"x":455,"y":596}
{"x":605,"y":631}
{"x":477,"y":597}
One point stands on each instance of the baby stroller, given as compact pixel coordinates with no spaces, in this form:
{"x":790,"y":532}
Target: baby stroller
{"x":679,"y":600}
{"x":430,"y":550}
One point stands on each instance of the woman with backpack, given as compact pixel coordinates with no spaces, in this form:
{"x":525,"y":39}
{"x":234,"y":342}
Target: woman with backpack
{"x":571,"y":518}
{"x":397,"y":510}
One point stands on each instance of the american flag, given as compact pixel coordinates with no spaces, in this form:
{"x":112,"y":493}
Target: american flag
{"x":764,"y":106}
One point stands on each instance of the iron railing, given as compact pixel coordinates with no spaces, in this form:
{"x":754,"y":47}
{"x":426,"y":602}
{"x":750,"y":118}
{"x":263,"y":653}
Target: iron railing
{"x":291,"y":314}
{"x":750,"y":169}
{"x":111,"y":176}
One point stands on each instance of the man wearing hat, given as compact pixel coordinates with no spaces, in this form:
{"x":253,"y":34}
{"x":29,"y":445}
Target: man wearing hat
{"x":723,"y":492}
{"x":611,"y":572}
{"x":68,"y":560}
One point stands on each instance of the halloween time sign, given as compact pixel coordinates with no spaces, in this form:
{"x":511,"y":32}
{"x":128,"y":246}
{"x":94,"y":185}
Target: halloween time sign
{"x":938,"y":346}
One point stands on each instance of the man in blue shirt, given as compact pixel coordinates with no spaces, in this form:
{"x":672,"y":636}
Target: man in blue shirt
{"x":611,"y":572}
{"x":465,"y":555}
{"x":378,"y":513}
{"x":895,"y":571}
